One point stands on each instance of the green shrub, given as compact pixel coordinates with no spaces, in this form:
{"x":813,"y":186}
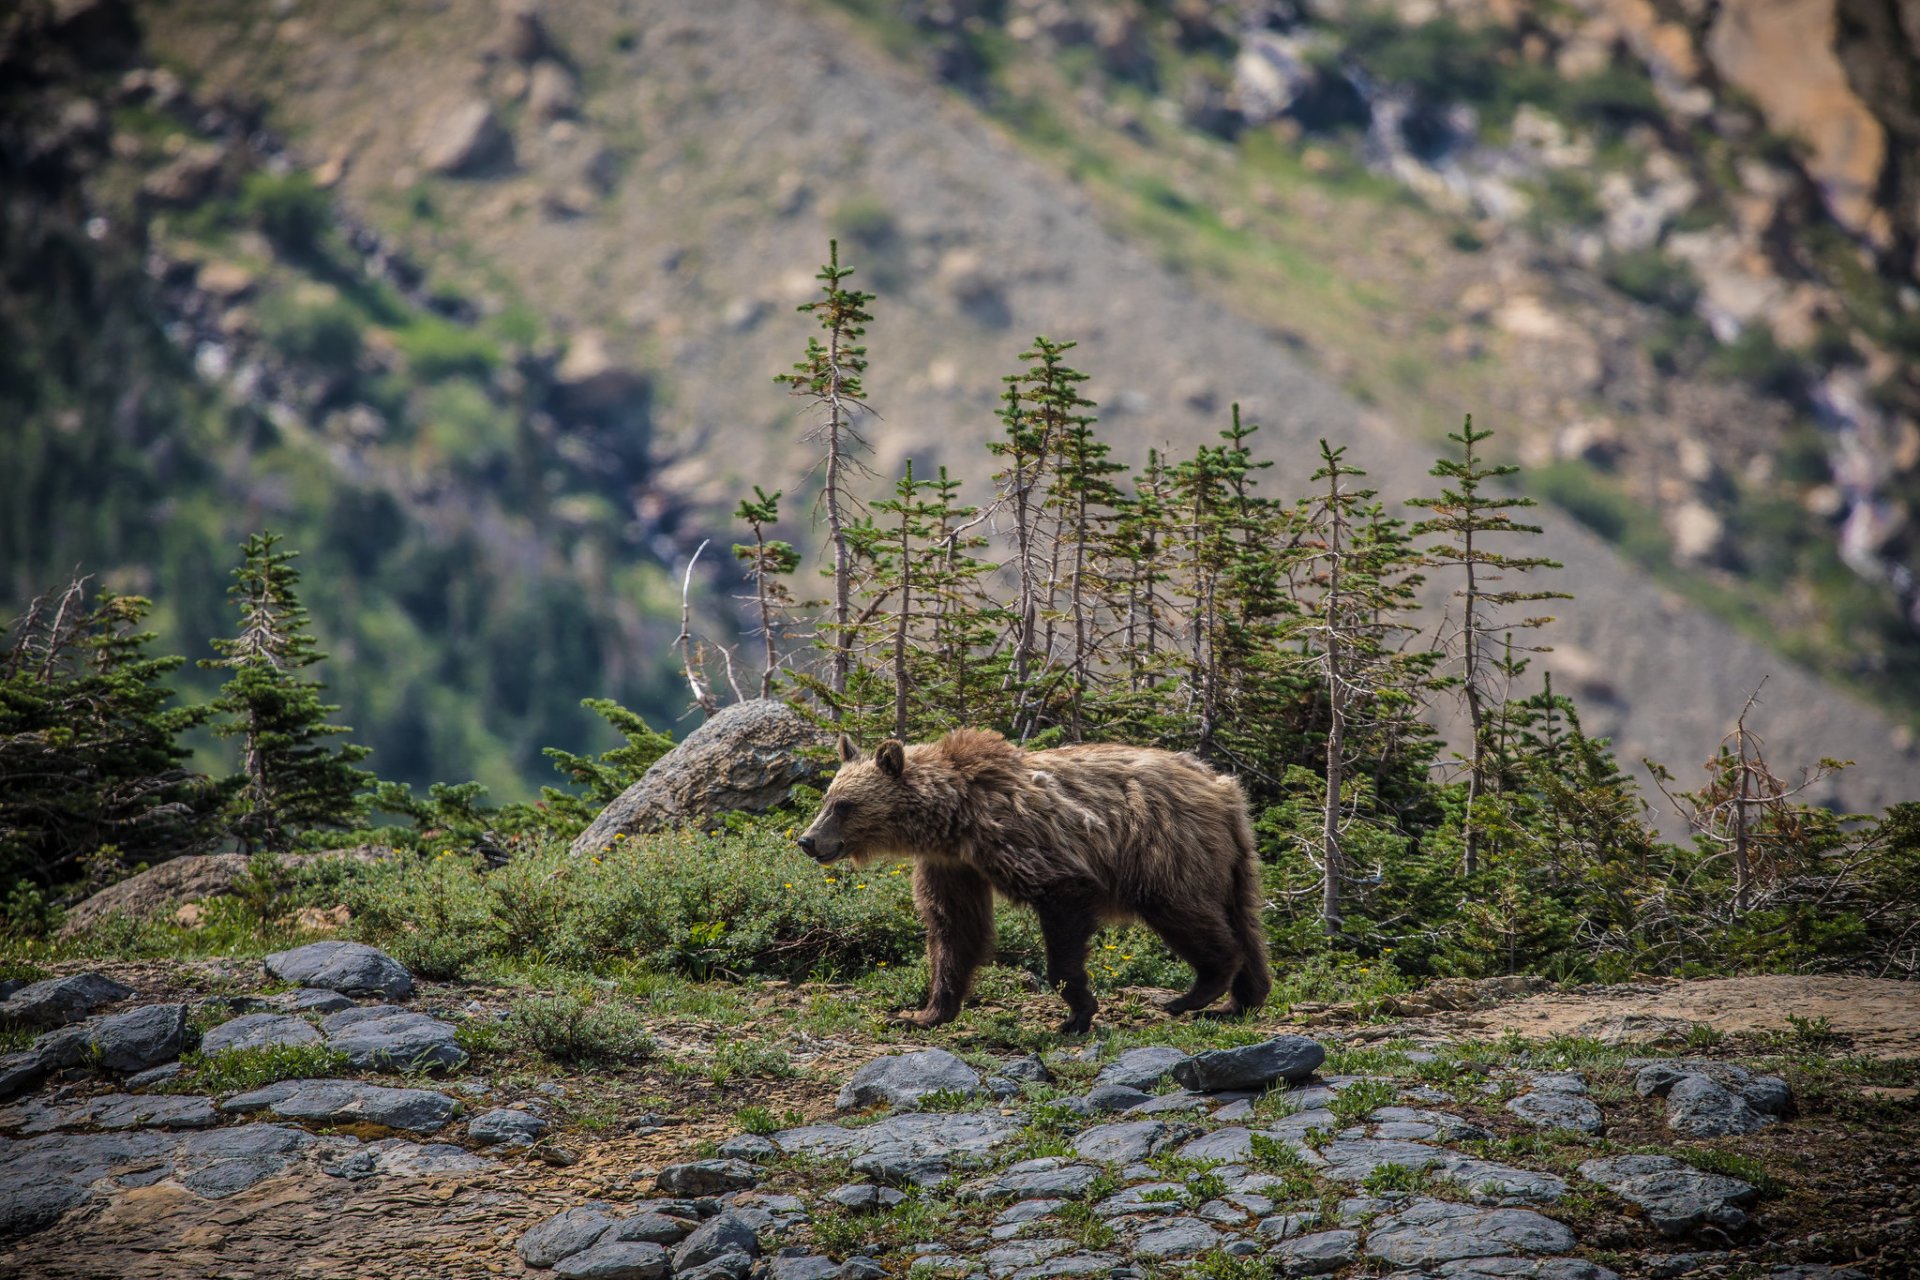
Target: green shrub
{"x":1649,"y":276}
{"x":437,"y":349}
{"x":569,"y":1030}
{"x":325,"y":334}
{"x":289,"y":208}
{"x":237,"y":1070}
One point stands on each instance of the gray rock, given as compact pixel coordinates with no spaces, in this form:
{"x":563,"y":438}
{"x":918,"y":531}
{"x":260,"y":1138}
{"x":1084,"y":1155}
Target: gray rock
{"x":351,"y":967}
{"x":865,"y":1197}
{"x":706,"y":1177}
{"x":806,"y":1266}
{"x":908,"y":1146}
{"x":346,"y":1101}
{"x":902,"y":1080}
{"x":1702,"y":1108}
{"x":1147,"y":1199}
{"x":155,"y":1075}
{"x":564,"y":1234}
{"x":259,"y":1031}
{"x":1557,"y":1082}
{"x":747,"y":758}
{"x":1254,"y":1066}
{"x":858,"y":1268}
{"x":1222,"y":1213}
{"x":130,"y":1041}
{"x":217,"y":1163}
{"x":615,"y":1260}
{"x":653,"y":1228}
{"x":897,"y":1170}
{"x":33,"y":1204}
{"x":718,"y":1236}
{"x":749,"y":1146}
{"x":1658,"y":1076}
{"x":310,"y":1000}
{"x":1141,"y":1068}
{"x":466,"y":139}
{"x":1235,"y":1112}
{"x":1175,"y":1238}
{"x":1769,"y":1095}
{"x":1523,"y":1269}
{"x":1121,"y":1143}
{"x":1001,"y":1087}
{"x":1415,"y":1124}
{"x":1232,"y":1145}
{"x":1008,"y":1258}
{"x":1072,"y":1264}
{"x":1431,"y":1232}
{"x":1016,"y":1216}
{"x":405,"y":1159}
{"x":381,"y":1036}
{"x":60,"y":1000}
{"x":1287,"y":1226}
{"x":1114,"y":1097}
{"x":728,"y":1266}
{"x":162,"y":1111}
{"x":1178,"y":1102}
{"x":1551,"y":1109}
{"x":1029,"y":1069}
{"x":1319,"y":1253}
{"x":1350,"y":1160}
{"x":1676,"y":1197}
{"x":1046,"y":1178}
{"x":505,"y":1125}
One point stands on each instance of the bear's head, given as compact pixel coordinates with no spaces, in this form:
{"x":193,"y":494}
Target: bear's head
{"x":861,"y":816}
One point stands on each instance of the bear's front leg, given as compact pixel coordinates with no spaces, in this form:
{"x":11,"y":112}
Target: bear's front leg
{"x":1068,"y":926}
{"x":956,"y":905}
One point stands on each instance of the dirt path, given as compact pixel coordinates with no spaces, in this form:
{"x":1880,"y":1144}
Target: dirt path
{"x":1877,"y":1017}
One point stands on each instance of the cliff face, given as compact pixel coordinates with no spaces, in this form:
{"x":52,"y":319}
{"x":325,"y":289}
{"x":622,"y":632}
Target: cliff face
{"x":1358,"y":225}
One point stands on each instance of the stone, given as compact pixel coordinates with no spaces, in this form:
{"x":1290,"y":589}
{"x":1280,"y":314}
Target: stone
{"x":865,"y":1197}
{"x":1175,"y":1238}
{"x":381,"y":1036}
{"x":130,"y":1041}
{"x":806,"y":1266}
{"x":1073,"y":1264}
{"x":350,"y":967}
{"x":722,"y":1234}
{"x":654,"y":1228}
{"x":1114,"y":1097}
{"x":22,"y":1071}
{"x":706,"y":1177}
{"x":747,"y":758}
{"x":748,"y":1146}
{"x":117,"y":1111}
{"x":218,"y":1163}
{"x":1254,"y":1066}
{"x":566,"y":1233}
{"x":1046,"y":1178}
{"x":1319,"y":1253}
{"x":1232,"y":1145}
{"x":1008,"y":1258}
{"x":1702,"y":1108}
{"x":899,"y":1170}
{"x":1122,"y":1143}
{"x":615,"y":1260}
{"x":1557,"y":1082}
{"x":349,"y":1101}
{"x":1769,"y":1095}
{"x":1026,"y":1211}
{"x":1675,"y":1197}
{"x":1655,"y":1079}
{"x":155,"y":1075}
{"x":505,"y":1126}
{"x":1177,"y":1102}
{"x":902,"y":1080}
{"x":188,"y":178}
{"x":259,"y":1031}
{"x":33,"y":1204}
{"x":728,"y":1266}
{"x":1029,"y":1069}
{"x":1351,"y":1159}
{"x":56,"y":1001}
{"x":1150,"y":1199}
{"x":1431,"y":1232}
{"x":551,"y":92}
{"x":1416,"y":1124}
{"x":310,"y":1000}
{"x":465,"y":139}
{"x":1548,"y":1109}
{"x":901,"y":1139}
{"x":1141,"y":1068}
{"x":157,"y":889}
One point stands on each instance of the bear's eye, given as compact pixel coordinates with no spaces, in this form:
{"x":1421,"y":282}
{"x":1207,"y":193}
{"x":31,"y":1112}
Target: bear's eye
{"x":841,"y":808}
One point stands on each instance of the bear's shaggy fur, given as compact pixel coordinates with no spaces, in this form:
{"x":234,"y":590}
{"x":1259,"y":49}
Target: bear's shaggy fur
{"x":1085,"y":835}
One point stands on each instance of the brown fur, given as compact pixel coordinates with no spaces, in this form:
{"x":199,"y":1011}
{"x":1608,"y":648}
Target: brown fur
{"x":1085,"y":835}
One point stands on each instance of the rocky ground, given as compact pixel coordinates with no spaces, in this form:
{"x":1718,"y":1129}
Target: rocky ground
{"x":1412,"y":1141}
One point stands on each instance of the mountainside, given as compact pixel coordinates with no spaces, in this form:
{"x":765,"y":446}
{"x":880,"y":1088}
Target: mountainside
{"x":519,"y":359}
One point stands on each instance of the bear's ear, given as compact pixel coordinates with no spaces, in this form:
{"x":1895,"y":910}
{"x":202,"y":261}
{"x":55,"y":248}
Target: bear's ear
{"x":848,"y":752}
{"x":891,"y":757}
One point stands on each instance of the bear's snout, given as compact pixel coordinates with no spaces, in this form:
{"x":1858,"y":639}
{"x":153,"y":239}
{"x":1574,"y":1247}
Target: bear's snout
{"x":806,"y":845}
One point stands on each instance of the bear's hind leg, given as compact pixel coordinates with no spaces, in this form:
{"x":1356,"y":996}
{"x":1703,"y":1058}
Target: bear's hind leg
{"x":1068,"y":927}
{"x":1206,"y":944}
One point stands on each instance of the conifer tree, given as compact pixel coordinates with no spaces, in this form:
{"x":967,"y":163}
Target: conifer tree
{"x":964,"y":669}
{"x":767,"y":561}
{"x":291,"y":780}
{"x":830,"y":376}
{"x":905,"y":532}
{"x":89,"y":743}
{"x":1467,"y":517}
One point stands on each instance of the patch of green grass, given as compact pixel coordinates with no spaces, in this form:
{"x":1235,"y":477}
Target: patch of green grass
{"x":1360,"y":1099}
{"x":1078,"y":1222}
{"x":1733,"y":1165}
{"x":763,"y":1120}
{"x":569,"y":1030}
{"x":748,"y":1059}
{"x":1383,"y":1178}
{"x":238,"y":1070}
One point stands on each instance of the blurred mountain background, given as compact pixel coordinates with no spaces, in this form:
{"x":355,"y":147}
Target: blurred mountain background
{"x":481,"y":306}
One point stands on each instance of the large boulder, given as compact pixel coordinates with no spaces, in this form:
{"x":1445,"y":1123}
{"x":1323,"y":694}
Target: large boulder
{"x":189,"y":879}
{"x":1253,"y":1066}
{"x":351,"y":967}
{"x":746,"y":758}
{"x":466,"y":139}
{"x":385,"y":1038}
{"x":903,"y":1079}
{"x":60,"y":1000}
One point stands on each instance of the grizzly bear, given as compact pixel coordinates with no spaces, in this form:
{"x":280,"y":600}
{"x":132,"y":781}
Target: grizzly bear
{"x":1085,"y":835}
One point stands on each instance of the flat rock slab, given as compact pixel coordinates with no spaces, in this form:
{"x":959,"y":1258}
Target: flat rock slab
{"x":1703,"y":1108}
{"x":259,"y":1031}
{"x":706,"y":1177}
{"x":1141,"y":1068}
{"x":1123,"y":1143}
{"x":1350,"y":1160}
{"x":1525,"y":1269}
{"x":1418,"y":1124}
{"x":1318,"y":1254}
{"x":309,"y":1000}
{"x":1175,"y":1238}
{"x":1656,"y":1078}
{"x":346,"y":1101}
{"x":1049,"y":1178}
{"x":902,"y":1080}
{"x":1675,"y":1197}
{"x":60,"y":1000}
{"x":616,"y":1260}
{"x":398,"y":1157}
{"x":383,"y":1037}
{"x":1553,"y":1109}
{"x":1432,"y":1232}
{"x":958,"y":1136}
{"x":130,"y":1041}
{"x":223,"y":1162}
{"x":564,"y":1234}
{"x":351,"y":967}
{"x":716,"y":1238}
{"x":112,"y":1111}
{"x":506,"y":1126}
{"x":1253,"y":1066}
